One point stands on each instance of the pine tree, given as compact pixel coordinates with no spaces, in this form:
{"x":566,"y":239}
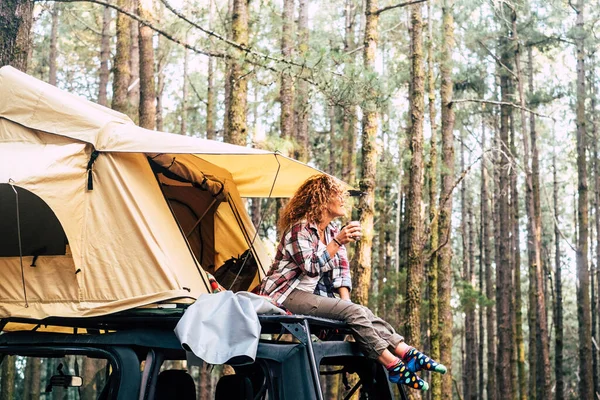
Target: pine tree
{"x":16,"y":18}
{"x":121,"y":61}
{"x":53,"y":44}
{"x":147,"y":110}
{"x":238,"y":96}
{"x":361,"y":263}
{"x":447,"y":183}
{"x":415,"y":191}
{"x":286,"y":88}
{"x":583,"y":294}
{"x":104,"y":56}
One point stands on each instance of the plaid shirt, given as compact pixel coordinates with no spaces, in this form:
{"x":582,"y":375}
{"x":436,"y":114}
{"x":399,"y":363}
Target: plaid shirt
{"x":301,"y":252}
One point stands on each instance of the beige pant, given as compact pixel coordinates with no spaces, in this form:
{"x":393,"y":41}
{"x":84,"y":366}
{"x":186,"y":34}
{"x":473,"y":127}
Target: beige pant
{"x":373,"y":334}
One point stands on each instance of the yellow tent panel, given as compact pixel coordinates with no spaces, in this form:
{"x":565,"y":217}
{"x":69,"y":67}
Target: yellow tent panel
{"x":98,"y":215}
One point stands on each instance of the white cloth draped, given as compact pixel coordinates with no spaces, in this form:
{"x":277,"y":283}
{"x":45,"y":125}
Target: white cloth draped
{"x":223,"y":326}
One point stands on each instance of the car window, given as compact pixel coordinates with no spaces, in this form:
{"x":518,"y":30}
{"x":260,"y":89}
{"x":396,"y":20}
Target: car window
{"x":206,"y":380}
{"x":25,"y":377}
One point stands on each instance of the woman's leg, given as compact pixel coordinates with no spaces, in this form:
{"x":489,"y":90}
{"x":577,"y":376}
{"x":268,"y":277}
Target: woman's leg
{"x":305,"y":303}
{"x":365,"y":333}
{"x":414,"y":359}
{"x":385,"y":330}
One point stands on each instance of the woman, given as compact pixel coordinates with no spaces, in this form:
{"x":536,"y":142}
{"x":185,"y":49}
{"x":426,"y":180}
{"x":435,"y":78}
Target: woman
{"x":311,"y":264}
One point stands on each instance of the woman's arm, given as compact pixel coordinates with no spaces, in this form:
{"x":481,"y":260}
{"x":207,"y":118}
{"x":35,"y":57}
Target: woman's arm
{"x":342,"y":280}
{"x":305,"y":248}
{"x":344,"y":293}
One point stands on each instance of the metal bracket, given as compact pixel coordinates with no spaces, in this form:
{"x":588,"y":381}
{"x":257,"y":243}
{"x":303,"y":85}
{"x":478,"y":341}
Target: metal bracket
{"x":298,"y":331}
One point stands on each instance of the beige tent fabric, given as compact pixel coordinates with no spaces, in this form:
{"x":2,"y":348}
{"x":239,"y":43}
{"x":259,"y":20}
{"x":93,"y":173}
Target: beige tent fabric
{"x":126,"y":248}
{"x":41,"y":106}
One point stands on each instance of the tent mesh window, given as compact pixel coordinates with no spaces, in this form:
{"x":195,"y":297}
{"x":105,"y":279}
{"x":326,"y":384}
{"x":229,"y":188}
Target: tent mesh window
{"x":39,"y":229}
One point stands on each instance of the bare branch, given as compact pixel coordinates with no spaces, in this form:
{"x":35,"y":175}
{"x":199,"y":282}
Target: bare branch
{"x":236,"y":45}
{"x":456,"y":388}
{"x":573,"y":7}
{"x":443,"y":202}
{"x":182,"y":43}
{"x":148,"y":24}
{"x":499,"y":103}
{"x":496,"y":58}
{"x":384,"y":9}
{"x":196,"y":91}
{"x":556,"y":222}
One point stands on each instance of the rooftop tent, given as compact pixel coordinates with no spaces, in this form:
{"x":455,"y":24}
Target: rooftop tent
{"x":113,"y":216}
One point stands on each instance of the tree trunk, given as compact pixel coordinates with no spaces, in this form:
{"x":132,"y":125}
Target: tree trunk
{"x":121,"y":62}
{"x":147,"y":111}
{"x":506,"y":342}
{"x":497,"y":240}
{"x":210,"y":100}
{"x":447,"y":183}
{"x":8,"y":378}
{"x":15,"y":32}
{"x":160,"y":84}
{"x":583,"y":295}
{"x":415,"y":260}
{"x":519,"y":381}
{"x":302,"y":108}
{"x":349,"y":128}
{"x":31,"y":384}
{"x":236,"y":117}
{"x":489,"y":285}
{"x":482,"y":257}
{"x":543,"y":379}
{"x":471,"y":339}
{"x":596,"y":180}
{"x":349,"y":131}
{"x":227,"y":73}
{"x":558,"y":310}
{"x":332,"y":140}
{"x":53,"y":44}
{"x":594,"y":319}
{"x":91,"y":368}
{"x":464,"y":264}
{"x":432,"y":270}
{"x":465,"y":228}
{"x":531,"y":251}
{"x":286,"y":89}
{"x":184,"y":92}
{"x":381,"y":251}
{"x":361,"y":262}
{"x":133,"y":90}
{"x":210,"y":93}
{"x":204,"y":384}
{"x":104,"y":56}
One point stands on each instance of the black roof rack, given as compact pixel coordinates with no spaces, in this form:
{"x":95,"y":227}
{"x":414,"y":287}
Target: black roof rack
{"x":166,"y":319}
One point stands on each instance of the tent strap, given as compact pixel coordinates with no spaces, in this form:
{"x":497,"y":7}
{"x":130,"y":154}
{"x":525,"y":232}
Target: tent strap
{"x":12,"y":185}
{"x":90,"y":181}
{"x":214,"y":200}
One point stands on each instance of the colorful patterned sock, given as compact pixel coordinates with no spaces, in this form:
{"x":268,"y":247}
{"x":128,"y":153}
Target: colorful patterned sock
{"x":416,"y":361}
{"x":398,"y":373}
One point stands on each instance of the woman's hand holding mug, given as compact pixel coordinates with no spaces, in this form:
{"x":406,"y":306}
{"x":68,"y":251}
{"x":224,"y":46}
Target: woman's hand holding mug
{"x":352,"y":232}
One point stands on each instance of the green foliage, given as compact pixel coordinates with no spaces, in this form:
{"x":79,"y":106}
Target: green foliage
{"x":471,"y":297}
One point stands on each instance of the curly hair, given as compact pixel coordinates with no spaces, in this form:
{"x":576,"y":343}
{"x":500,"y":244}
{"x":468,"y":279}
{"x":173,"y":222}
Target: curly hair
{"x":310,"y":201}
